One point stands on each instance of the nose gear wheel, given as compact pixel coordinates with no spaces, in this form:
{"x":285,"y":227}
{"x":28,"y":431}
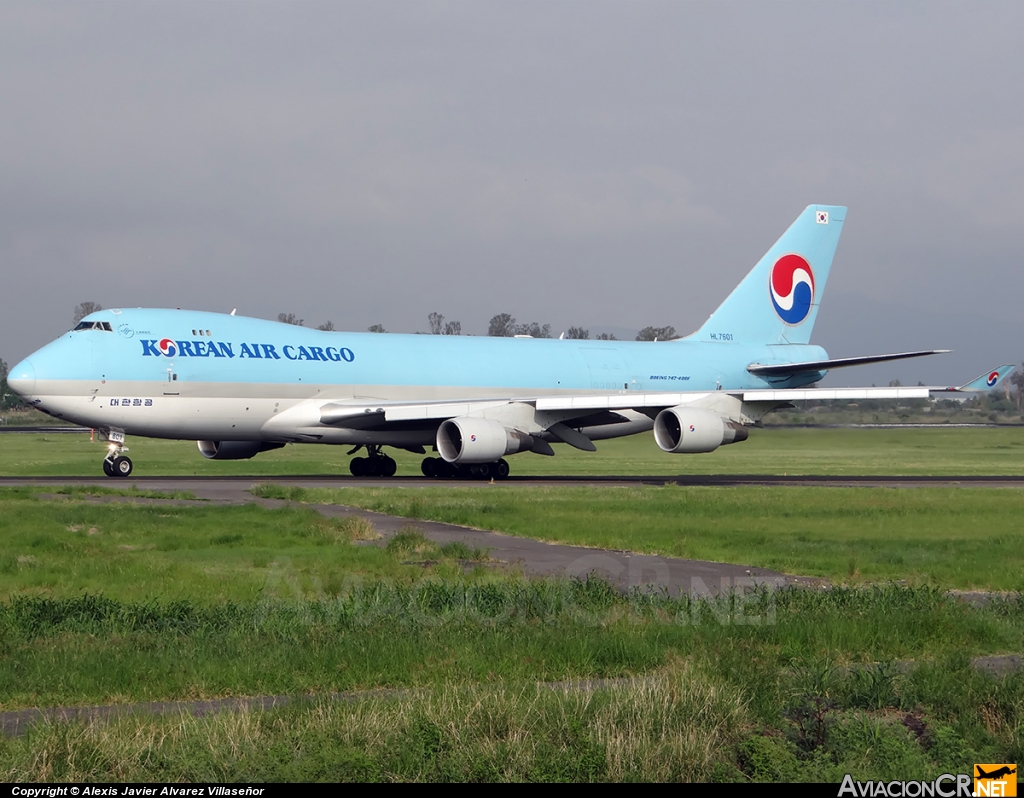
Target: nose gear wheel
{"x":115,"y":464}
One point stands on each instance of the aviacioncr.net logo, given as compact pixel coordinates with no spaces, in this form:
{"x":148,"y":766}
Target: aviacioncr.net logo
{"x":948,"y":785}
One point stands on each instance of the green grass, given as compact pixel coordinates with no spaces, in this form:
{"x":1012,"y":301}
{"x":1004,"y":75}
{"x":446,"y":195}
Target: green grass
{"x":135,"y":602}
{"x":951,"y":537}
{"x":24,"y":416}
{"x":210,"y":601}
{"x":95,"y":649}
{"x":705,"y":701}
{"x":63,"y":546}
{"x":682,"y":723}
{"x":938,"y":451}
{"x":133,"y":492}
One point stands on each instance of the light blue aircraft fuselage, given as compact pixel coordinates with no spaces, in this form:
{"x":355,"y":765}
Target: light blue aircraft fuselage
{"x":200,"y":350}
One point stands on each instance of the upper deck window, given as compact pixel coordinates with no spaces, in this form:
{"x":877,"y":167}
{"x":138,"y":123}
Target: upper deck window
{"x":93,"y":325}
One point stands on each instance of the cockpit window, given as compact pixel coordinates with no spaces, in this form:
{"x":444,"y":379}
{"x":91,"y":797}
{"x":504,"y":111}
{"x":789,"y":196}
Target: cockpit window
{"x":93,"y":325}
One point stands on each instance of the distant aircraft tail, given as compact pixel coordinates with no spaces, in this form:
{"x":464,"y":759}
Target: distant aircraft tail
{"x":777,"y":302}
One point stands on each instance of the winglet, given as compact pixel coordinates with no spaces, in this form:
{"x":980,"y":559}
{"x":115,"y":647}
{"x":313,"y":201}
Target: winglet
{"x":988,"y":381}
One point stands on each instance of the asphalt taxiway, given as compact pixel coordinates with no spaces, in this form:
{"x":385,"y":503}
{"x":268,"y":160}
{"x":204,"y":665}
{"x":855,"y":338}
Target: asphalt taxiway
{"x":245,"y":483}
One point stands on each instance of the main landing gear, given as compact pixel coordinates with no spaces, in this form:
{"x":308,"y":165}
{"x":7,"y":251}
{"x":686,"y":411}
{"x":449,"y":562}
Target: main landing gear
{"x":375,"y":465}
{"x":437,"y":468}
{"x":115,"y":464}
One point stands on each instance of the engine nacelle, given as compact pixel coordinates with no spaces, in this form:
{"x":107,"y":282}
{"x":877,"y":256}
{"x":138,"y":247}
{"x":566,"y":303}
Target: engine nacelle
{"x":234,"y":450}
{"x":693,"y":430}
{"x":478,"y":440}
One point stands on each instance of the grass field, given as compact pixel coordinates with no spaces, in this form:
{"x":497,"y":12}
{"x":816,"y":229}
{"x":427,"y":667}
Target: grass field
{"x":115,"y":603}
{"x":684,"y":723}
{"x":128,"y":602}
{"x":939,"y":451}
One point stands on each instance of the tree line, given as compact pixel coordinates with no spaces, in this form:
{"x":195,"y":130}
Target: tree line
{"x":503,"y":325}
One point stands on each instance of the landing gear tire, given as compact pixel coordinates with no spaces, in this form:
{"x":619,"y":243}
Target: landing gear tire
{"x":434,"y":468}
{"x":480,"y":471}
{"x":437,"y":468}
{"x":373,"y":466}
{"x":115,"y":464}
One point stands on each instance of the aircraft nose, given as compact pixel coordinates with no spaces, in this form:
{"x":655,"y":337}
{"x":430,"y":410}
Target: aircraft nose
{"x":22,"y":378}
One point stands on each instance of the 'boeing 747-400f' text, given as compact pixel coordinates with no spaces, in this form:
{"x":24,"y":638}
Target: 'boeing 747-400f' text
{"x":240,"y":386}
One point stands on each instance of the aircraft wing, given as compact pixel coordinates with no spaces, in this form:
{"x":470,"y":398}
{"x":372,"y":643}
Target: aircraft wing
{"x":375,"y":413}
{"x":659,"y":400}
{"x":371,"y":413}
{"x":788,"y":369}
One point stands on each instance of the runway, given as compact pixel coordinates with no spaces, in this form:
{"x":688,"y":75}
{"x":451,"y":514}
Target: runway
{"x":234,"y":483}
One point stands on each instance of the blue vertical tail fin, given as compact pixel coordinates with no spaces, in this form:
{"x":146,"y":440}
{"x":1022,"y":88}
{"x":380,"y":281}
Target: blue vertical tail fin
{"x":777,"y":302}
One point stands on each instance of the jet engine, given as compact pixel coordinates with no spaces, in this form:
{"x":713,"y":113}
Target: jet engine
{"x":692,"y":430}
{"x":479,"y":440}
{"x":234,"y":450}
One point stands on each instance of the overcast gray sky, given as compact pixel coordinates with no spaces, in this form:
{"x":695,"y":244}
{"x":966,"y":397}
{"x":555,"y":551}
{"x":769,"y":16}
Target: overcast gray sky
{"x":588,"y":163}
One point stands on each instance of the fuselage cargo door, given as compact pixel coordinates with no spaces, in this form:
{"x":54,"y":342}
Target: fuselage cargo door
{"x":166,"y":370}
{"x":84,"y":352}
{"x":607,"y":367}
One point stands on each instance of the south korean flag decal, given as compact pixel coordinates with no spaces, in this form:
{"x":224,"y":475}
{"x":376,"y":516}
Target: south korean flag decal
{"x":822,"y":217}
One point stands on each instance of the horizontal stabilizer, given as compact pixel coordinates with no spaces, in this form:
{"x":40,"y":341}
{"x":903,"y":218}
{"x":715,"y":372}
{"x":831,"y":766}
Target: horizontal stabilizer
{"x":786,"y":369}
{"x":988,"y":381}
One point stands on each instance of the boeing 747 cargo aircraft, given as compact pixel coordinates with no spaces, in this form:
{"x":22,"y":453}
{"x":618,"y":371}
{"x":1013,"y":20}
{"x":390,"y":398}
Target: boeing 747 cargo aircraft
{"x":240,"y":386}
